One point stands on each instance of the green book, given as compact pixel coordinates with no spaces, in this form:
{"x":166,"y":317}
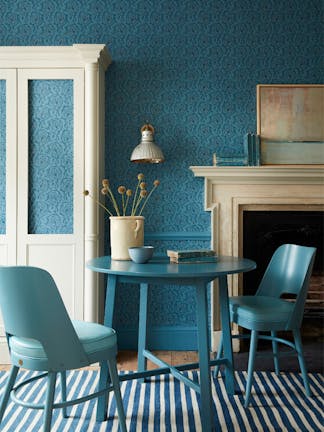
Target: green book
{"x":194,"y":253}
{"x":192,"y":260}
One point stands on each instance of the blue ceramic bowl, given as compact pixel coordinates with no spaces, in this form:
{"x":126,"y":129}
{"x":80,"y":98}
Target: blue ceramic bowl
{"x":141,"y":254}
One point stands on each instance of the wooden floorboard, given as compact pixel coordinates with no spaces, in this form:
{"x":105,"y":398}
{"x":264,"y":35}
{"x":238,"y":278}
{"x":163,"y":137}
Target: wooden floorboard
{"x":127,"y":360}
{"x":313,"y":351}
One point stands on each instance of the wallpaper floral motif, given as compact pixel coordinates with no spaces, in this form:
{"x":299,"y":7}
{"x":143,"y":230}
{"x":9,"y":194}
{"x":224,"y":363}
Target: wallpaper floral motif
{"x":50,"y":147}
{"x":190,"y":68}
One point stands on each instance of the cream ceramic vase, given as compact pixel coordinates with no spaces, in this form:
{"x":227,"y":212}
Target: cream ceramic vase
{"x":125,"y":232}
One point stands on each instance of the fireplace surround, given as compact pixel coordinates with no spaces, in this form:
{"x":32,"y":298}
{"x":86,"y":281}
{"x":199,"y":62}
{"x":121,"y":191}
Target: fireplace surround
{"x":264,"y":232}
{"x":231,"y":191}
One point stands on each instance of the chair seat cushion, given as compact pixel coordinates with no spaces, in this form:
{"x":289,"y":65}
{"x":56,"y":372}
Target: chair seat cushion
{"x":260,"y":312}
{"x":93,"y":337}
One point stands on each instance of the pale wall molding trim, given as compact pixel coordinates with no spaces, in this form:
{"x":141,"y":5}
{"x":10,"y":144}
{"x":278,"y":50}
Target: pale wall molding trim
{"x":178,"y":235}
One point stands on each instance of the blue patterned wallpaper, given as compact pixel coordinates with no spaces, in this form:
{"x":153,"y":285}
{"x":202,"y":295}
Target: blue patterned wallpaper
{"x":2,"y":157}
{"x":50,"y":194}
{"x":191,"y":68}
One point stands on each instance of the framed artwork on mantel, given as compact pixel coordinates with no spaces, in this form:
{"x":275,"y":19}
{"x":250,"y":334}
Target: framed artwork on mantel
{"x":290,"y":122}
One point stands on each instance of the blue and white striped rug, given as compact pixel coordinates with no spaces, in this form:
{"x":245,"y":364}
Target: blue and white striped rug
{"x":165,"y":404}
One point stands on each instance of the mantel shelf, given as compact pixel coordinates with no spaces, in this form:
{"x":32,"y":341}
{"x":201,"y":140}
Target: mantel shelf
{"x":267,"y":174}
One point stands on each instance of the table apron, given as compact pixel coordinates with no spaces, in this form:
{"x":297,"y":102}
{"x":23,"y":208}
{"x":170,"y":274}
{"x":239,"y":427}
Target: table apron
{"x":164,"y":280}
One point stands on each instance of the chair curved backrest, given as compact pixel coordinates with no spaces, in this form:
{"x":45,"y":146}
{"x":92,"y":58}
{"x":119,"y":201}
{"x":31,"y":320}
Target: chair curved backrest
{"x":289,"y":272}
{"x":32,"y":307}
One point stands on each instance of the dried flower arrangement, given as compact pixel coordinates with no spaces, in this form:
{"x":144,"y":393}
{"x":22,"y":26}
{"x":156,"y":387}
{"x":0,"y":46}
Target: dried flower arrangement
{"x":139,"y":200}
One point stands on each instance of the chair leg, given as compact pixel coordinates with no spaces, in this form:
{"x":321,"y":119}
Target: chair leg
{"x":253,"y":348}
{"x":116,"y":386}
{"x":63,"y":391}
{"x":51,"y":379}
{"x":275,"y":352}
{"x":302,"y":365}
{"x":9,"y":385}
{"x":218,"y":356}
{"x":102,"y":404}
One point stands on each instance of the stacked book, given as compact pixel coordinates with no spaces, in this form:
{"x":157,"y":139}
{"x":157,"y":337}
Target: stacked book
{"x":252,"y":149}
{"x":231,"y":161}
{"x":192,"y":256}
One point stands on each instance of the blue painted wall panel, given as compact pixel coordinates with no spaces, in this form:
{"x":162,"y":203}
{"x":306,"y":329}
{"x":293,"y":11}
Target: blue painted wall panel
{"x":191,"y":68}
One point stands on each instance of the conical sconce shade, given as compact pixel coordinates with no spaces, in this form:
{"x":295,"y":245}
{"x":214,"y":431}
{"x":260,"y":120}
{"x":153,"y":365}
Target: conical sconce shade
{"x":147,"y":151}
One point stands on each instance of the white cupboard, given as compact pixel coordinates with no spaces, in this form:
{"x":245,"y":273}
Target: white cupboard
{"x":51,"y":150}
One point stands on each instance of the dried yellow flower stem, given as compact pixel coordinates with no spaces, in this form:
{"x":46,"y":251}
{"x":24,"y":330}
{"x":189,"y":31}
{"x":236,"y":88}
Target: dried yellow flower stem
{"x":140,"y":177}
{"x":111,"y":196}
{"x":140,"y":197}
{"x":156,"y":184}
{"x":128,"y":194}
{"x":121,"y":190}
{"x":87,"y":193}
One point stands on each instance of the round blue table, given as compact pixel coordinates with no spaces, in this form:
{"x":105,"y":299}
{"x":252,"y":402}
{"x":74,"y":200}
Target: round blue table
{"x":161,"y":271}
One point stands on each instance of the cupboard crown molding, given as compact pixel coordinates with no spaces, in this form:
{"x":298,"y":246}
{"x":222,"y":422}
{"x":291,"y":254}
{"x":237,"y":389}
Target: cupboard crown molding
{"x":76,"y":55}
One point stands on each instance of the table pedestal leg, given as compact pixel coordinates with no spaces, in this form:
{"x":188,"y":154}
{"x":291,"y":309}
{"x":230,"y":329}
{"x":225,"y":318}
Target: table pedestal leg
{"x":104,"y":378}
{"x":203,"y":350}
{"x":142,"y":328}
{"x":226,"y":332}
{"x":110,"y":300}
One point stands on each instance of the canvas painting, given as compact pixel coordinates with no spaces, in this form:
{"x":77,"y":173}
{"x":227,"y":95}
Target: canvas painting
{"x":290,"y":122}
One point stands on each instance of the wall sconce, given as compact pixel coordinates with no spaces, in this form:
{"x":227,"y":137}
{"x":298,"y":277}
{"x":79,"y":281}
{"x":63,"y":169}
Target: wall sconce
{"x":147,"y":151}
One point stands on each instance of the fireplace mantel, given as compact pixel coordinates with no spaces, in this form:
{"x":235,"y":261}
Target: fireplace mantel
{"x":229,"y":191}
{"x":259,"y":175}
{"x":265,"y":173}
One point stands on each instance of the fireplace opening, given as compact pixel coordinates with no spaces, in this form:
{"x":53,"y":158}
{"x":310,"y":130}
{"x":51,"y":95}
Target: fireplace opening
{"x":264,"y":232}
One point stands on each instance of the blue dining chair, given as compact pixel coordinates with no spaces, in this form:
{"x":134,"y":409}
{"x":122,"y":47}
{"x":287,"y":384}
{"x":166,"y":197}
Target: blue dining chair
{"x":41,"y":337}
{"x":288,"y":273}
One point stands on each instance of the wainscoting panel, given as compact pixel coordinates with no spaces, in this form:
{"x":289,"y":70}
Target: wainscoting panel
{"x":57,"y":258}
{"x":174,"y":338}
